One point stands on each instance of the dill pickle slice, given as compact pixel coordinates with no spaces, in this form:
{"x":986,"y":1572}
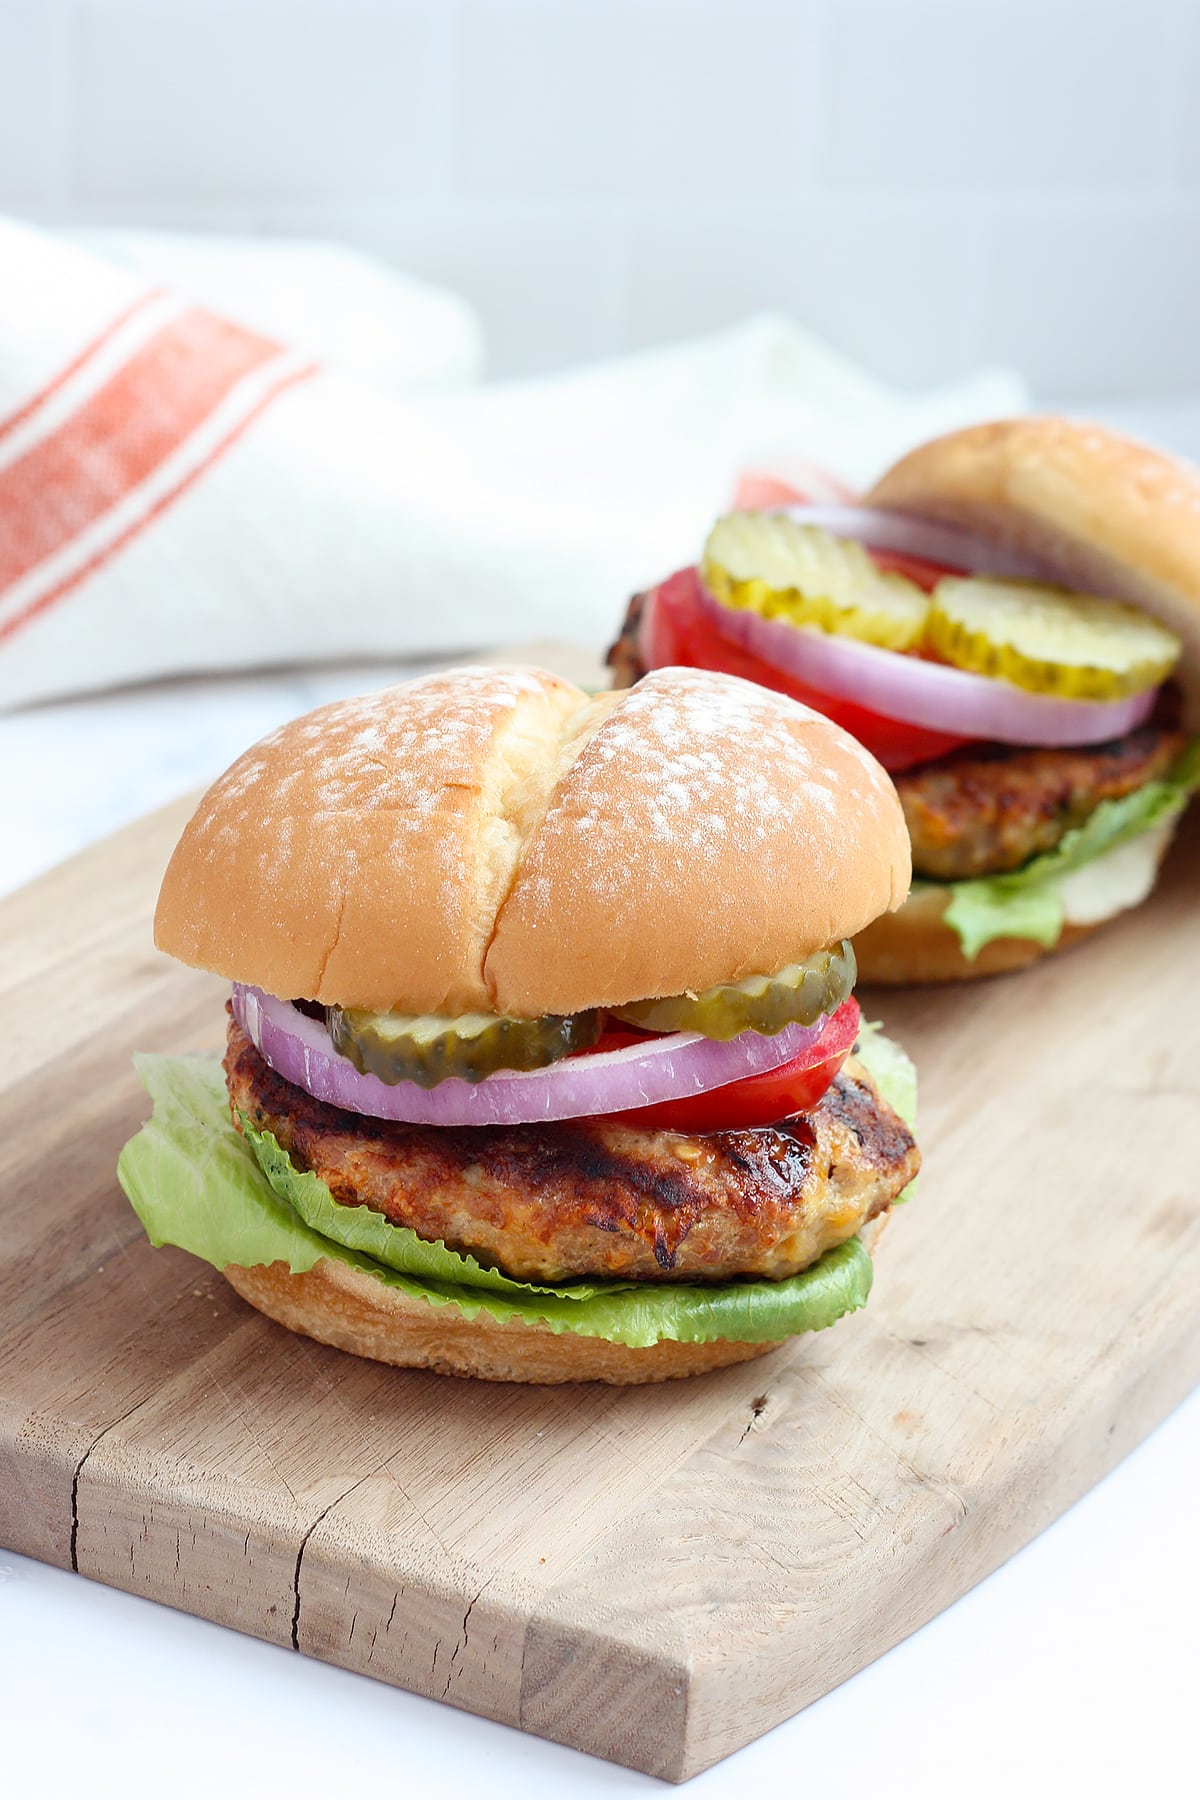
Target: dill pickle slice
{"x":771,"y":564}
{"x":1049,"y":641}
{"x":429,"y":1048}
{"x":797,"y":995}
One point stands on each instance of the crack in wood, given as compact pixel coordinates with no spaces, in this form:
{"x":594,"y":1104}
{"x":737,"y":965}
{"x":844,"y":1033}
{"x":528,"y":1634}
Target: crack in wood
{"x":79,"y":1466}
{"x":758,"y":1407}
{"x":320,"y":1518}
{"x":462,"y":1643}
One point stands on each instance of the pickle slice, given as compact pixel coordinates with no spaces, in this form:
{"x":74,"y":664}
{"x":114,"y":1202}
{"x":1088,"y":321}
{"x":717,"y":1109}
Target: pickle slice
{"x":797,"y":995}
{"x":771,"y":564}
{"x":429,"y":1048}
{"x":1049,"y":641}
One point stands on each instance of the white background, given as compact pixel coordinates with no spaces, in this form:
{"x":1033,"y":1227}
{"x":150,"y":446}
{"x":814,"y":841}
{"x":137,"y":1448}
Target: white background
{"x":927,"y":183}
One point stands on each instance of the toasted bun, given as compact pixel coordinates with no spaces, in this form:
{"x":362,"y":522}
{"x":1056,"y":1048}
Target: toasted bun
{"x":915,"y":945}
{"x":493,"y":838}
{"x":351,"y":1310}
{"x":1103,"y":513}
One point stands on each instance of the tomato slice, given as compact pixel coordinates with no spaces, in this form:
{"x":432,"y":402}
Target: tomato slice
{"x":926,"y":574}
{"x":680,"y":636}
{"x":795,"y":1087}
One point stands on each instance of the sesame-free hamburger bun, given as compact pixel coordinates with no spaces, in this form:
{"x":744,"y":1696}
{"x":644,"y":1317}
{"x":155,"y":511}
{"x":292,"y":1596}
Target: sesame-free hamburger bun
{"x":1101,"y":514}
{"x":495,"y":841}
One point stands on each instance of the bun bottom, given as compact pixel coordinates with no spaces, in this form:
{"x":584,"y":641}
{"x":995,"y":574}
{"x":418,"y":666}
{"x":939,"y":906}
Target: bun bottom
{"x":345,"y":1307}
{"x":342,"y":1306}
{"x":915,"y":947}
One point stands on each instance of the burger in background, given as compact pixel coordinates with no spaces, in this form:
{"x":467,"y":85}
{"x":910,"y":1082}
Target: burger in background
{"x":1010,"y":622}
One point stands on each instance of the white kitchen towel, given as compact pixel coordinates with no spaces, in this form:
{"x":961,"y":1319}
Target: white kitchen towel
{"x":347,"y":311}
{"x":181,"y":492}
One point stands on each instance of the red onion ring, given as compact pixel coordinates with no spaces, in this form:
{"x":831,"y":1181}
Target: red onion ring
{"x":663,"y":1068}
{"x":879,"y":529}
{"x":917,"y":692}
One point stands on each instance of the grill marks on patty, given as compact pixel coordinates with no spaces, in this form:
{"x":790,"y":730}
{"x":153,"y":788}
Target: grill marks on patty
{"x":658,"y":1197}
{"x":590,"y":1198}
{"x":990,"y":808}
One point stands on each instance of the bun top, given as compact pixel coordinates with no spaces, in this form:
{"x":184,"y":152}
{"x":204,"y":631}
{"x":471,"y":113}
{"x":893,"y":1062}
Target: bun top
{"x":1102,"y":513}
{"x":492,"y":838}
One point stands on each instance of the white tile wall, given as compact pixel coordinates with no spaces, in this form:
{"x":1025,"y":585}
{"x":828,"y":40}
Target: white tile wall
{"x":1102,"y":299}
{"x":897,"y":283}
{"x":926,"y":182}
{"x":35,"y":119}
{"x":232,"y":100}
{"x":637,"y":98}
{"x":1185,"y":113}
{"x":1004,"y":95}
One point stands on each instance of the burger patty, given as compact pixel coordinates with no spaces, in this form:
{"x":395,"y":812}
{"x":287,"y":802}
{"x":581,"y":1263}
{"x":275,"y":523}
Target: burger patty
{"x":624,"y":656}
{"x":989,"y":808}
{"x":588,"y":1197}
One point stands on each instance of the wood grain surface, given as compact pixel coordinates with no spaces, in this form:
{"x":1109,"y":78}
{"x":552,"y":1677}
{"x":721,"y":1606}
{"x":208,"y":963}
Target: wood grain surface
{"x":654,"y":1575}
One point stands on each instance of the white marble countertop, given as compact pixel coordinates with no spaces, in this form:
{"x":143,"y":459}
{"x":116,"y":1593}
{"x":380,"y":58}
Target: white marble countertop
{"x":1070,"y":1671}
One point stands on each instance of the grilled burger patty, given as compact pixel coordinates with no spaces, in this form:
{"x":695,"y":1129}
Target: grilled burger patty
{"x":989,"y":808}
{"x":593,"y":1198}
{"x":624,"y":656}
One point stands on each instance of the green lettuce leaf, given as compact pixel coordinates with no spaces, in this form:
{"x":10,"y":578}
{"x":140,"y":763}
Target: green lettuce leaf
{"x":1028,"y":902}
{"x":890,"y":1068}
{"x":894,"y":1074}
{"x":372,"y":1233}
{"x":188,"y":1175}
{"x":194,"y":1182}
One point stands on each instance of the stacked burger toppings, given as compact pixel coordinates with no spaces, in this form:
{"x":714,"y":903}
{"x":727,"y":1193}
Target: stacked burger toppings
{"x":1002,"y":625}
{"x":543,"y":1061}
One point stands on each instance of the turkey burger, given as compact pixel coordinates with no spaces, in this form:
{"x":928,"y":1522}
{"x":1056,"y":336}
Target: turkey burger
{"x":1011,"y":622}
{"x":542,"y":1060}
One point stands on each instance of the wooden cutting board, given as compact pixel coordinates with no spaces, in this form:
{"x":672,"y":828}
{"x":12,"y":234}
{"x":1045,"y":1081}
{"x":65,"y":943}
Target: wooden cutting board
{"x":656,"y":1575}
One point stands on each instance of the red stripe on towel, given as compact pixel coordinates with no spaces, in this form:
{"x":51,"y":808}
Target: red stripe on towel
{"x":121,"y":434}
{"x":288,"y":377}
{"x":72,"y":368}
